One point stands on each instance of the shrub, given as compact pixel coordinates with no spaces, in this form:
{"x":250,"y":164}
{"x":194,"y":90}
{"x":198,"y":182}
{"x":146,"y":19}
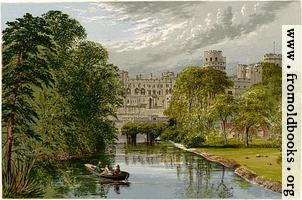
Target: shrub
{"x":194,"y":140}
{"x":19,"y":182}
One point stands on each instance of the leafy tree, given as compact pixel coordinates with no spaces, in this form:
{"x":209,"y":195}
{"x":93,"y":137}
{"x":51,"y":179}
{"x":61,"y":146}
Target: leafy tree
{"x":223,"y":107}
{"x":193,"y":94}
{"x":28,"y":49}
{"x":65,"y":30}
{"x":253,"y":111}
{"x":93,"y":92}
{"x":271,"y":85}
{"x":130,"y":129}
{"x":55,"y":116}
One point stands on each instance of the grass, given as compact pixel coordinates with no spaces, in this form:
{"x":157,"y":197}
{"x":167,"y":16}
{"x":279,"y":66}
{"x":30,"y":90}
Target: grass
{"x":262,"y":166}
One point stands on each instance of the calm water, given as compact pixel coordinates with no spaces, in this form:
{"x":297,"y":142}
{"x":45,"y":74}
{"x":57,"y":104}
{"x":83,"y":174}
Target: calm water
{"x":162,"y":171}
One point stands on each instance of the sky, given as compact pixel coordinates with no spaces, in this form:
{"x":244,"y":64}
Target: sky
{"x":153,"y":37}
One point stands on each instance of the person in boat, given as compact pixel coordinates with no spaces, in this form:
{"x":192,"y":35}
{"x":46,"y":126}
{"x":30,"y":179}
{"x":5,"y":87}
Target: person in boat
{"x":98,"y":167}
{"x":117,"y":170}
{"x":105,"y":170}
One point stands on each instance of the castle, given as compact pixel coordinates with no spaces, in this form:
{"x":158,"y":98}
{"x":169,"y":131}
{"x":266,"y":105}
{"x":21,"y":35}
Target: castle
{"x":147,"y":98}
{"x":248,"y":75}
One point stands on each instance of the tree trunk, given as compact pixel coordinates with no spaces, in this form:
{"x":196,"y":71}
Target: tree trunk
{"x":134,"y":140}
{"x":223,"y":131}
{"x":247,"y":136}
{"x":10,"y":136}
{"x":11,"y":123}
{"x":148,"y":139}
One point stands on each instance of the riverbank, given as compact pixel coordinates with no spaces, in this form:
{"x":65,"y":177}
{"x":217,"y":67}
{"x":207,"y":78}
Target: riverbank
{"x":239,"y":168}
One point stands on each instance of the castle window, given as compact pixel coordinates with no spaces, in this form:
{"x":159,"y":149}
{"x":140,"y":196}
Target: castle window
{"x":216,"y":59}
{"x":206,"y":59}
{"x":154,"y":91}
{"x":211,"y":59}
{"x":136,"y":90}
{"x":128,"y":90}
{"x":143,"y":91}
{"x":149,"y":92}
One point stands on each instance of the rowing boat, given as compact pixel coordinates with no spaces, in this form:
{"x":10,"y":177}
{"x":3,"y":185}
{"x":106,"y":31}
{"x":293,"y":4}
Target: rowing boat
{"x":122,"y":176}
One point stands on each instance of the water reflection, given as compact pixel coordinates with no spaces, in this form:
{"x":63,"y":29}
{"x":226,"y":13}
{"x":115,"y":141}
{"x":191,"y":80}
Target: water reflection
{"x":195,"y":172}
{"x":155,"y":172}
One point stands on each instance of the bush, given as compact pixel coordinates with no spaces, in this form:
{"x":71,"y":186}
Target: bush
{"x":19,"y":182}
{"x":194,"y":140}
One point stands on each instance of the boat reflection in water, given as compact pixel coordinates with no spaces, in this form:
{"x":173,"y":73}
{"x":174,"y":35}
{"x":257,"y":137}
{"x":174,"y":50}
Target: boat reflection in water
{"x":116,"y":185}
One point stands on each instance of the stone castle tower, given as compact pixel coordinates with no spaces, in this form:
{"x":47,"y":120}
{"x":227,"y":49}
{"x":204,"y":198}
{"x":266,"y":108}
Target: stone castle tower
{"x":273,"y":58}
{"x":214,"y":59}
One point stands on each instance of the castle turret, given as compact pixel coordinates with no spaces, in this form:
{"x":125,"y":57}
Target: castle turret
{"x":273,"y":58}
{"x":123,"y":77}
{"x":214,"y":59}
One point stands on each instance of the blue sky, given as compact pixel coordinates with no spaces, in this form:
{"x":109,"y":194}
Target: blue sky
{"x":154,"y":37}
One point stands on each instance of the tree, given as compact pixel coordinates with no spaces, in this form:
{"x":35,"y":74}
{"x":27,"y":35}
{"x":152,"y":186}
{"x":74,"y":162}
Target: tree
{"x":93,"y":92}
{"x":130,"y":129}
{"x":65,"y":30}
{"x":27,"y":51}
{"x":253,"y":111}
{"x":223,"y":107}
{"x":55,"y":115}
{"x":193,"y":94}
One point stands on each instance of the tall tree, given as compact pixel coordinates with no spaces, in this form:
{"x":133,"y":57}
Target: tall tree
{"x":193,"y":93}
{"x":253,"y":111}
{"x":27,"y":51}
{"x":65,"y":30}
{"x":55,"y":115}
{"x":92,"y":89}
{"x":223,"y":107}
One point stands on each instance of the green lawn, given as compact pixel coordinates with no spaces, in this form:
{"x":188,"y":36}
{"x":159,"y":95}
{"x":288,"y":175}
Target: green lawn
{"x":263,"y":166}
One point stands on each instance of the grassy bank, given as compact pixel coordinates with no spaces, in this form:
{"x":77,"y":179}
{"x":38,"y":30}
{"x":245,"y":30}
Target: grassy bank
{"x":265,"y":166}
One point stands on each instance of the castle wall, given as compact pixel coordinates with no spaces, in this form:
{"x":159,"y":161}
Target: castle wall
{"x":145,"y":98}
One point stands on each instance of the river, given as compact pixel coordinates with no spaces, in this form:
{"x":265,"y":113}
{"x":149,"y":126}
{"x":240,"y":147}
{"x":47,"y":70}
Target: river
{"x":161,"y":171}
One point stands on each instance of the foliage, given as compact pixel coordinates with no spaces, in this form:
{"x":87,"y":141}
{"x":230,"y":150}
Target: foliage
{"x":271,"y":85}
{"x":253,"y":111}
{"x":65,"y":30}
{"x":223,"y":107}
{"x":19,"y":182}
{"x":276,"y":129}
{"x":59,"y":93}
{"x":28,"y":49}
{"x":153,"y":128}
{"x":93,"y":92}
{"x":193,"y":93}
{"x":130,"y":128}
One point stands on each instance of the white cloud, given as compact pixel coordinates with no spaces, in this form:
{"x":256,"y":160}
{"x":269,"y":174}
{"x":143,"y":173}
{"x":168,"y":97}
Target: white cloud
{"x":173,"y":34}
